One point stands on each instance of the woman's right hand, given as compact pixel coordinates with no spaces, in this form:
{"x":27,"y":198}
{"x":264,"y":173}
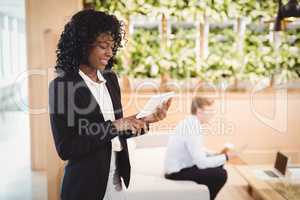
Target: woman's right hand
{"x":130,"y":124}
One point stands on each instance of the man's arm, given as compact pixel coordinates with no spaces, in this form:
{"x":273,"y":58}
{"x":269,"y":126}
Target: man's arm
{"x":194,"y":144}
{"x":200,"y":158}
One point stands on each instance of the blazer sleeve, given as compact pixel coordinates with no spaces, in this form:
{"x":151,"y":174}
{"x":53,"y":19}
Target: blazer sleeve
{"x":129,"y":134}
{"x":125,"y":134}
{"x":69,"y":143}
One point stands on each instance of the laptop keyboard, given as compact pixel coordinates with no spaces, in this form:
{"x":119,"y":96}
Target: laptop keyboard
{"x":271,"y":174}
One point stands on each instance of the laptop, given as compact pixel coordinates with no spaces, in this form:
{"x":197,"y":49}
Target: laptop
{"x":280,"y":166}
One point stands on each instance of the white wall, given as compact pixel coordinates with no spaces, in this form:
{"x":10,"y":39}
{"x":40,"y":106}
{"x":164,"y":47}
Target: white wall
{"x":14,"y":8}
{"x":12,"y":54}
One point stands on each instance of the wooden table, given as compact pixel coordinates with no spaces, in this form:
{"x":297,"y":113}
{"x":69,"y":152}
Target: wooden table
{"x":258,"y":189}
{"x":237,"y":161}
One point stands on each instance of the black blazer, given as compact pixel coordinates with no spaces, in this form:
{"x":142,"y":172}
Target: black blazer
{"x":84,"y":138}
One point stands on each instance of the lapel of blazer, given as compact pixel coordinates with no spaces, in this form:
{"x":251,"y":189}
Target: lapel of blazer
{"x":87,"y":96}
{"x":116,"y":101}
{"x":115,"y":98}
{"x":84,"y":93}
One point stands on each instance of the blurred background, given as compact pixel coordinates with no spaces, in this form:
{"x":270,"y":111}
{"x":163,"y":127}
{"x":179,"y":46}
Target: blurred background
{"x":14,"y":119}
{"x":243,"y":53}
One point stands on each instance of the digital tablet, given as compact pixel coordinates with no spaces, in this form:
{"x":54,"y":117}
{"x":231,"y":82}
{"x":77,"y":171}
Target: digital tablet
{"x":154,"y":102}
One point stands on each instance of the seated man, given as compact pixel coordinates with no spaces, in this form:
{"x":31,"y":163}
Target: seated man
{"x":186,"y":158}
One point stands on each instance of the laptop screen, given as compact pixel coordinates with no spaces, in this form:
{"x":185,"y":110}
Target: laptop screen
{"x":281,"y":163}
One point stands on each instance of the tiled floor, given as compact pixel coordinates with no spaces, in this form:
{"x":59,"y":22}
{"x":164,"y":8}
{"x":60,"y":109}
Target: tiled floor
{"x":16,"y":179}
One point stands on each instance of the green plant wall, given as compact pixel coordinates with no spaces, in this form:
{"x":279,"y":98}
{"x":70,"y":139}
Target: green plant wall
{"x":258,"y":59}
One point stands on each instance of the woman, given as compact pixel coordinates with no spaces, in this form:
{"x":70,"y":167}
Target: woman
{"x":86,"y":115}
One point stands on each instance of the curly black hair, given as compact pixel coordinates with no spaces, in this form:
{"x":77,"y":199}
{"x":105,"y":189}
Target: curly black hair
{"x":80,"y":32}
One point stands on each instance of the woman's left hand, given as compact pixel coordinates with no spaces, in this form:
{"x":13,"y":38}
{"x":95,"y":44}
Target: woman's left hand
{"x":160,"y":114}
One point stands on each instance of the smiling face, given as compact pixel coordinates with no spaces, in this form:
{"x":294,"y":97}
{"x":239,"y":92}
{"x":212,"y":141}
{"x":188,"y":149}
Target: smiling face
{"x":101,"y":51}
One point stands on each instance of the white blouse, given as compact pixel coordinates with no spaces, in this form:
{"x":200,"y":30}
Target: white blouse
{"x":114,"y":189}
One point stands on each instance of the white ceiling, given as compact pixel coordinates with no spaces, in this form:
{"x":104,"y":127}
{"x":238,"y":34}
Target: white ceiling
{"x":15,"y":8}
